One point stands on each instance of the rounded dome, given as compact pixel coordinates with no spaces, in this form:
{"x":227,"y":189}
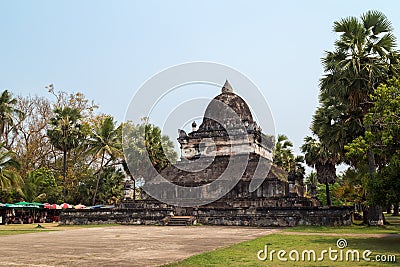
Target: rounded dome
{"x":222,"y":106}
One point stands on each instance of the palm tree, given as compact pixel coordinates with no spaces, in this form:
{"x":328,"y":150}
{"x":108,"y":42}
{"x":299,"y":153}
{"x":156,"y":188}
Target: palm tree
{"x":364,"y":57}
{"x":31,"y":191}
{"x":283,"y":154}
{"x":312,"y":183}
{"x":106,"y":144}
{"x":8,"y":113}
{"x":65,"y":134}
{"x":9,"y":177}
{"x":285,"y":159}
{"x":145,"y":141}
{"x":158,"y":148}
{"x":323,"y":160}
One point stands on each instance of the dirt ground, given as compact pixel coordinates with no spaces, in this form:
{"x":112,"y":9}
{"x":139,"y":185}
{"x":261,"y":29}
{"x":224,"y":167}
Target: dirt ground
{"x":119,"y":245}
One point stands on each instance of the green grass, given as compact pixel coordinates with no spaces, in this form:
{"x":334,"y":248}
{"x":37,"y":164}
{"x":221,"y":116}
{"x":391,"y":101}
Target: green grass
{"x":17,"y":229}
{"x":18,"y":232}
{"x":245,"y":254}
{"x":353,"y":229}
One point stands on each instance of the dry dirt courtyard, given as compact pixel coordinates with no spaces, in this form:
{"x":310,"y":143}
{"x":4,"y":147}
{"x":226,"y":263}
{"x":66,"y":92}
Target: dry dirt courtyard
{"x":119,"y":245}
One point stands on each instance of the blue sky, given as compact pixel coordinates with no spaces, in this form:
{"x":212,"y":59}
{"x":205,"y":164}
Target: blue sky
{"x":108,"y":49}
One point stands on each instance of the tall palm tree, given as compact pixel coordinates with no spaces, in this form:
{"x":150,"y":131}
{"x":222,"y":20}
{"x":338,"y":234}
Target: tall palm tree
{"x":285,"y":158}
{"x":318,"y":156}
{"x":365,"y":55}
{"x":142,"y":141}
{"x":9,"y":176}
{"x":65,"y":133}
{"x":8,"y":113}
{"x":283,"y":154}
{"x":312,"y":183}
{"x":105,"y":143}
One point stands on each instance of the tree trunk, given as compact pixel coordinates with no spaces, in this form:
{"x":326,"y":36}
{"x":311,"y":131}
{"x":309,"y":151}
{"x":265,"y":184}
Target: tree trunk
{"x":371,"y":163}
{"x":328,"y":194}
{"x":313,"y":191}
{"x":389,"y":209}
{"x":134,"y":189}
{"x":396,"y":210}
{"x":64,"y":174}
{"x":98,"y":179}
{"x":375,"y":215}
{"x":365,"y":214}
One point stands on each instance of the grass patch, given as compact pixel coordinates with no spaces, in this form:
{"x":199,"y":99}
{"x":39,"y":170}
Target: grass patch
{"x":245,"y":254}
{"x":17,"y":229}
{"x":392,"y":228}
{"x":353,"y":229}
{"x":18,"y":232}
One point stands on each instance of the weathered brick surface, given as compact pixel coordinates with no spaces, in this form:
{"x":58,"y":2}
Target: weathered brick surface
{"x":239,"y":216}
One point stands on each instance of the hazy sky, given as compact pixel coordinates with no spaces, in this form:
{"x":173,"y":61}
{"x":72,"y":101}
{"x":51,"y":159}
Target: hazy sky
{"x":108,"y":49}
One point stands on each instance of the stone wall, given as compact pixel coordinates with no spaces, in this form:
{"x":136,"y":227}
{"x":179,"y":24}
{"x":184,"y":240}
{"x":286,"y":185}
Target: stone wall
{"x":276,"y":216}
{"x":154,"y":216}
{"x":262,"y":216}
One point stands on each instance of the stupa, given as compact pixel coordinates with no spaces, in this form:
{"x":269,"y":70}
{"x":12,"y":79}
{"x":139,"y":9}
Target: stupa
{"x":260,"y":195}
{"x":228,"y":130}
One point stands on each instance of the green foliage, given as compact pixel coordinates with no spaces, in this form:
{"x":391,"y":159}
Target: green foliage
{"x":9,"y":176}
{"x":109,"y":188}
{"x":364,"y":57}
{"x":318,"y":156}
{"x":40,"y":186}
{"x":383,"y":138}
{"x":105,"y":143}
{"x":311,"y":179}
{"x":321,"y":194}
{"x":10,"y":196}
{"x":9,"y":114}
{"x":285,"y":158}
{"x":65,"y":132}
{"x":146,"y":141}
{"x":105,"y":137}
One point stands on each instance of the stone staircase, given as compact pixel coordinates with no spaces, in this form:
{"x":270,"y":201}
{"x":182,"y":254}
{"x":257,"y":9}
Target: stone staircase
{"x":180,"y":221}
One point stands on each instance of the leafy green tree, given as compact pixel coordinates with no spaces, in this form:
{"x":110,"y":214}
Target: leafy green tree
{"x":65,"y":133}
{"x":283,"y":154}
{"x":105,"y":144}
{"x":383,"y":138}
{"x":9,"y":176}
{"x":9,"y":115}
{"x":146,"y":141}
{"x":285,"y":158}
{"x":109,"y":191}
{"x":335,"y":199}
{"x":318,"y":156}
{"x":111,"y":186}
{"x":40,"y":186}
{"x":311,"y":182}
{"x":364,"y":57}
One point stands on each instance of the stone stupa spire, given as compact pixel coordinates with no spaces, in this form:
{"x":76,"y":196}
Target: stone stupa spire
{"x":227,"y":88}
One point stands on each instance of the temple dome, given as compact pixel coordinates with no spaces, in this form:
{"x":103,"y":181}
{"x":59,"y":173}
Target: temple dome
{"x":233,"y":103}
